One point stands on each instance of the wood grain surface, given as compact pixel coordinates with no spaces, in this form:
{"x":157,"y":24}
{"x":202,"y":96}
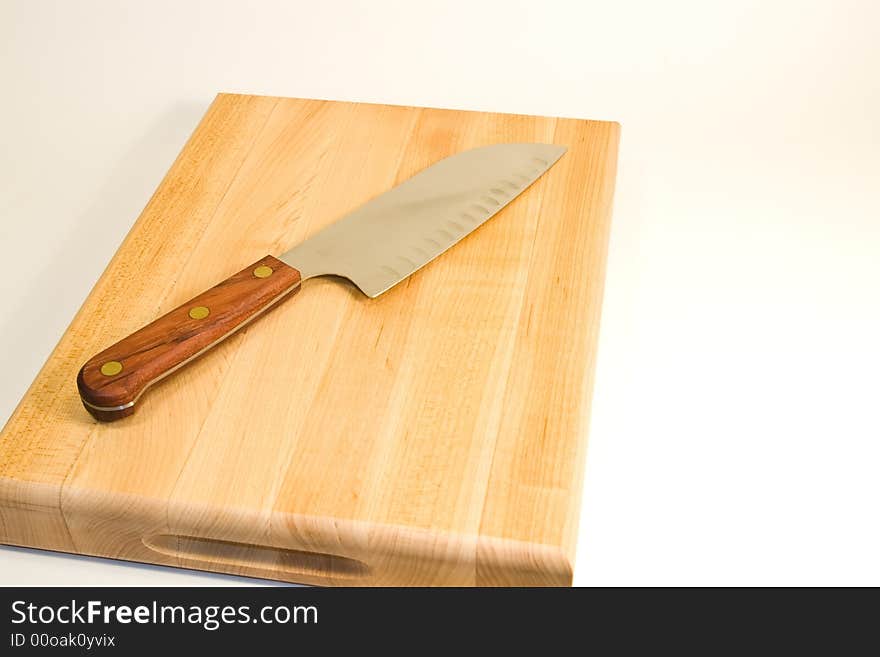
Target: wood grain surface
{"x":435,"y":435}
{"x":171,"y":341}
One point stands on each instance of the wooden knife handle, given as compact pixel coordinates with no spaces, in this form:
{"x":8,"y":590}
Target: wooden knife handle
{"x":111,"y":382}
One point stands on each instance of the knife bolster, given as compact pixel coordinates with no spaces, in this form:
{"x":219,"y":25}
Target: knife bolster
{"x":111,"y":383}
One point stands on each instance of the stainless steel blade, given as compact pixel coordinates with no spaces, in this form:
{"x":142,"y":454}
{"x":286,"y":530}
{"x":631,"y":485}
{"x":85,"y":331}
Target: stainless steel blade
{"x":388,"y":238}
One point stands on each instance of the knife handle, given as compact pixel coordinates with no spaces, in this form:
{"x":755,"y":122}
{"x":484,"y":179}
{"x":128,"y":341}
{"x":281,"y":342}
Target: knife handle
{"x":112,"y":382}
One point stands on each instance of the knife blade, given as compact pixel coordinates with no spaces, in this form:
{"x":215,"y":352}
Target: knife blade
{"x":375,"y":247}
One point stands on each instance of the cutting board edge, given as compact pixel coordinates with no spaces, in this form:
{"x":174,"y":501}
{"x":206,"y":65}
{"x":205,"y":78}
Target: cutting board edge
{"x":433,"y":108}
{"x":129,"y":524}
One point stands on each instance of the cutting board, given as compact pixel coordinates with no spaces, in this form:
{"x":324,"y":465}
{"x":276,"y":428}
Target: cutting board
{"x":435,"y":435}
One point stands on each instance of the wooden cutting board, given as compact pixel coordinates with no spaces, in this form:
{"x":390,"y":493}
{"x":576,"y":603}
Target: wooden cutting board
{"x":433,"y":436}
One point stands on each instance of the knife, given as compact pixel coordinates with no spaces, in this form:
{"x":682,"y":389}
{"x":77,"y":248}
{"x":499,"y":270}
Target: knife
{"x":375,"y":247}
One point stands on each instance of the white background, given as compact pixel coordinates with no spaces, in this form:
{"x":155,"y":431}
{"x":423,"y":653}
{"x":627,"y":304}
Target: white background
{"x":736,"y":421}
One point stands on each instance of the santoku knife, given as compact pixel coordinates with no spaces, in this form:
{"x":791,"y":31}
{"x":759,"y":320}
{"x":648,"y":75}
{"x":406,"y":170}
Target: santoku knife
{"x":375,"y":247}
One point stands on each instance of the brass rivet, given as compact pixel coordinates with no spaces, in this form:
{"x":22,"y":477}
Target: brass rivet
{"x":111,"y":368}
{"x":263,"y":271}
{"x":199,"y":312}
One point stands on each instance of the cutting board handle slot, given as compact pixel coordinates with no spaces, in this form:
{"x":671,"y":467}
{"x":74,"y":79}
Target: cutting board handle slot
{"x":273,"y":560}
